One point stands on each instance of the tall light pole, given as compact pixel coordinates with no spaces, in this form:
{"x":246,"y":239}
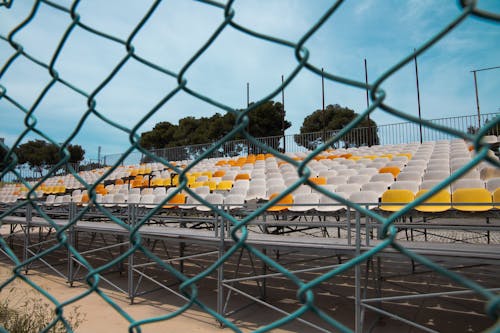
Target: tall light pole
{"x":323,"y":118}
{"x":474,"y":71}
{"x":283,"y":113}
{"x":418,"y":96}
{"x":248,"y":126}
{"x":367,"y":106}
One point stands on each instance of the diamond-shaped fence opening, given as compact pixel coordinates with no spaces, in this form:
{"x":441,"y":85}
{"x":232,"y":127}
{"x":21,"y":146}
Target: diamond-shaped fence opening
{"x":333,"y":260}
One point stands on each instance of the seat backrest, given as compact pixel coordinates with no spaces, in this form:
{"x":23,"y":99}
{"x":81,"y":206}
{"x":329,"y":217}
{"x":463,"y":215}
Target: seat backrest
{"x":383,"y":177}
{"x":283,"y":204}
{"x":394,"y":200}
{"x":327,"y":204}
{"x":390,"y":169}
{"x":480,"y":199}
{"x":405,"y":185}
{"x":492,"y":184}
{"x":377,"y":187}
{"x":348,"y":188}
{"x":443,"y":198}
{"x":467,"y":183}
{"x":411,"y":176}
{"x":359,"y":179}
{"x":365,"y":197}
{"x":234,"y":201}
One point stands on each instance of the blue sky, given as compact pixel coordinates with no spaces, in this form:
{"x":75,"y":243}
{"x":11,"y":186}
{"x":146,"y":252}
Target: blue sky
{"x":382,"y":31}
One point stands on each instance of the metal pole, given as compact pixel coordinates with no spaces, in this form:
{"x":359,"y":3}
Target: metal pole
{"x":418,"y":96}
{"x":323,"y":120}
{"x":477,"y":94}
{"x":283,"y":113}
{"x":99,"y":156}
{"x":248,"y":126}
{"x":370,"y":139}
{"x":477,"y":102}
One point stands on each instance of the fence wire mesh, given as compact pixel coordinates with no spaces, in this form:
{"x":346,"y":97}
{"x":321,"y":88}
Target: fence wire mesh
{"x":239,"y":230}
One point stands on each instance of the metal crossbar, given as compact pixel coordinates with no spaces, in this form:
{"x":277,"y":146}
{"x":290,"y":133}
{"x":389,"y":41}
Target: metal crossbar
{"x":238,"y":238}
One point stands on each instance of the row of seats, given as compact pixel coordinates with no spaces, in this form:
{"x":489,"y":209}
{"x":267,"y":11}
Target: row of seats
{"x":464,"y":199}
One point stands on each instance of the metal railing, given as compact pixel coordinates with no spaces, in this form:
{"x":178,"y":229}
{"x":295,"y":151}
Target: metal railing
{"x":398,"y":133}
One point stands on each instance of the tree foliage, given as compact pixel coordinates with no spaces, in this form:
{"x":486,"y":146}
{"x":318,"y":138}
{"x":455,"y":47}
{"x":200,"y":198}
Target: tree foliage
{"x":334,"y":118}
{"x":39,"y":154}
{"x":264,"y":121}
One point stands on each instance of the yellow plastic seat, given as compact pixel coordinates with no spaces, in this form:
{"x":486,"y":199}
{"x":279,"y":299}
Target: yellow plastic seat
{"x":175,"y":201}
{"x":393,"y":170}
{"x":175,"y":180}
{"x":318,"y":180}
{"x":196,"y":184}
{"x":473,"y":196}
{"x":157,"y":182}
{"x":395,"y":200}
{"x":285,"y":203}
{"x":219,"y":173}
{"x":496,"y":198}
{"x":243,"y":176}
{"x":167,"y":182}
{"x":119,"y":182}
{"x":145,"y":182}
{"x":442,"y":197}
{"x":225,"y":185}
{"x":212,"y":184}
{"x":409,"y":155}
{"x":135,"y":183}
{"x":85,"y":199}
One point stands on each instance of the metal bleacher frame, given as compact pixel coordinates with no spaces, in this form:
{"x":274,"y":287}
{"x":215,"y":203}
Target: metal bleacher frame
{"x":273,"y":232}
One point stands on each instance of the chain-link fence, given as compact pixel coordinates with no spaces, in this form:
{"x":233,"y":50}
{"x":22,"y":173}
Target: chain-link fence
{"x":130,"y":225}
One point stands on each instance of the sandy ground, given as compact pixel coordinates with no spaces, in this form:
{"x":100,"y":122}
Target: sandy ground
{"x":97,"y":312}
{"x":335,"y":296}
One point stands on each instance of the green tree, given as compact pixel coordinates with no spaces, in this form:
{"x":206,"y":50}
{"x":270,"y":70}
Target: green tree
{"x":334,"y":118}
{"x":193,"y":135}
{"x":39,"y":154}
{"x":77,"y":153}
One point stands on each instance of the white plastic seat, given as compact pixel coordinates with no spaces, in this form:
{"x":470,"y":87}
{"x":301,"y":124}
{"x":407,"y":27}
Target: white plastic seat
{"x":410,"y":176}
{"x":337,"y":180}
{"x":256,"y":192}
{"x":159,"y":190}
{"x":275,"y":189}
{"x":107,"y":200}
{"x":134,"y":198}
{"x":215,"y":199}
{"x":492,"y":184}
{"x":304,"y":202}
{"x":348,"y":188}
{"x":358,"y":179}
{"x":365,"y":197}
{"x":147,"y":200}
{"x":430,"y":184}
{"x":368,"y":171}
{"x":377,"y":187}
{"x":327,"y":204}
{"x":438,"y":175}
{"x":234,"y":201}
{"x":120,"y":199}
{"x":467,"y":183}
{"x":58,"y":200}
{"x":387,"y":178}
{"x":347,"y":172}
{"x":405,"y":185}
{"x":301,"y":189}
{"x":239,"y":191}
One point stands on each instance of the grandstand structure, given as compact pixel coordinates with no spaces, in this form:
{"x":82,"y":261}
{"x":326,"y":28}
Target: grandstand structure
{"x":186,"y":213}
{"x":401,"y":236}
